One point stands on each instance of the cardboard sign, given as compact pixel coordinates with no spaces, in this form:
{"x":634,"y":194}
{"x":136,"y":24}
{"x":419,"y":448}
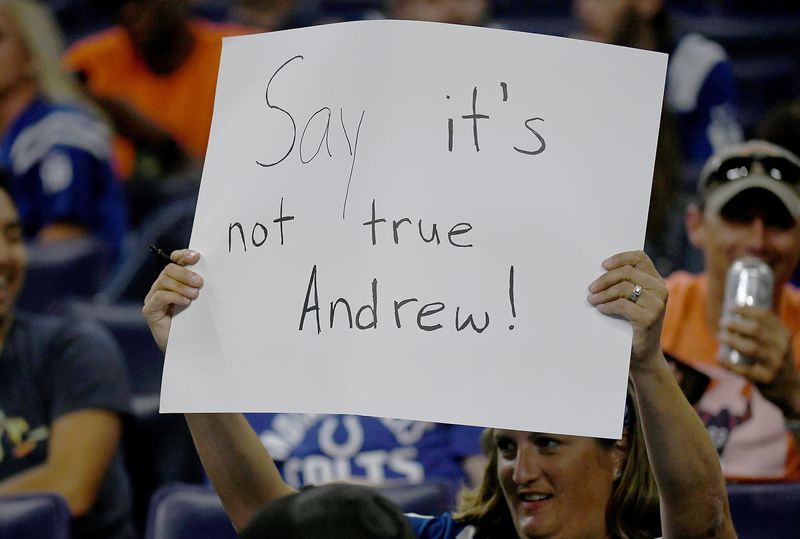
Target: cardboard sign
{"x":401,"y":219}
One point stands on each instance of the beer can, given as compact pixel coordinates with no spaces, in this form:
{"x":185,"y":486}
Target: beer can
{"x":749,"y":281}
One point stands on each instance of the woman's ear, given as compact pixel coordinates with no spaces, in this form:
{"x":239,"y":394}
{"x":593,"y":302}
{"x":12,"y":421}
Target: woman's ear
{"x":619,"y":455}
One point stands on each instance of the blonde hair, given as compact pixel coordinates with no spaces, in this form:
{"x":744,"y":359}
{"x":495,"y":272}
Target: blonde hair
{"x":632,"y":511}
{"x":42,"y":40}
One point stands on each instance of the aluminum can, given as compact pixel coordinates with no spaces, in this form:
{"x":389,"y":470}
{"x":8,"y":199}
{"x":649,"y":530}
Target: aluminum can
{"x":749,"y":281}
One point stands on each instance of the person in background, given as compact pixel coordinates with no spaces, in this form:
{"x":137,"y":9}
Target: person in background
{"x":272,"y":15}
{"x":470,"y":12}
{"x":154,"y":75}
{"x":55,"y":152}
{"x":748,"y":203}
{"x":700,"y":88}
{"x":63,"y":394}
{"x":536,"y":484}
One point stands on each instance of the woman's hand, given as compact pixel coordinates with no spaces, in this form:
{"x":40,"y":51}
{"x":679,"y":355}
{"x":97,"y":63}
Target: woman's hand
{"x":170,"y":294}
{"x":614,"y":293}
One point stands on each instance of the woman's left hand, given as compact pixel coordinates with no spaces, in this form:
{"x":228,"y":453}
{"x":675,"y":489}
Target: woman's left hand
{"x":632,"y":289}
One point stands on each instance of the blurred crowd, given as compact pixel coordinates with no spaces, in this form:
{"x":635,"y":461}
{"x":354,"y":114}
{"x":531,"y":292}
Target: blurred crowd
{"x":105,"y":110}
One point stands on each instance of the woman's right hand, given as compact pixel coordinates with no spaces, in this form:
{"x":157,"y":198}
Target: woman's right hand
{"x":173,"y":291}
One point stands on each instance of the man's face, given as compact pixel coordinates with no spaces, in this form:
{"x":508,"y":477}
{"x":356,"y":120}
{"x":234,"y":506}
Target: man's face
{"x":755,"y":222}
{"x":13,"y":259}
{"x":152,"y":24}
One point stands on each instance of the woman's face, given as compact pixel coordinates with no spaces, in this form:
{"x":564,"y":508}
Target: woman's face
{"x":14,"y":59}
{"x":556,"y":486}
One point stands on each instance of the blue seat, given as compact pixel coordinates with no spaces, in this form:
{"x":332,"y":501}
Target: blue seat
{"x":34,"y":515}
{"x":74,"y":268}
{"x":765,"y":510}
{"x":143,"y":359}
{"x":168,"y":227}
{"x":187,"y":512}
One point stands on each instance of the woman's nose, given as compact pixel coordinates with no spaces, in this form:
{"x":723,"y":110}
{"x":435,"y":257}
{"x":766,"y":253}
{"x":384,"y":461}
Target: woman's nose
{"x":527,"y":467}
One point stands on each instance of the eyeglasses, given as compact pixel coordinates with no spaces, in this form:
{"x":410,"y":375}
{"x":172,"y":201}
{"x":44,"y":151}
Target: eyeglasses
{"x":736,"y":168}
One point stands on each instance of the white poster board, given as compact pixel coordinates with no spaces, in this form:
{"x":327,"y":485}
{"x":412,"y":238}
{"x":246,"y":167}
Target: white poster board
{"x":455,"y":188}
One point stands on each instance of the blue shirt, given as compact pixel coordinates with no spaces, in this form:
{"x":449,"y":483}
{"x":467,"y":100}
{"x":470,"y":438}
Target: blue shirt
{"x":701,"y":92}
{"x":58,"y":161}
{"x":314,"y":449}
{"x":441,"y":527}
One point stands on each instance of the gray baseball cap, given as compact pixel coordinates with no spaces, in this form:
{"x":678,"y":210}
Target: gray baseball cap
{"x":749,"y":165}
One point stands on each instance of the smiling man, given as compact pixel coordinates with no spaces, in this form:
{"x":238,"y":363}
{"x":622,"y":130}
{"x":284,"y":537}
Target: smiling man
{"x":748,"y":205}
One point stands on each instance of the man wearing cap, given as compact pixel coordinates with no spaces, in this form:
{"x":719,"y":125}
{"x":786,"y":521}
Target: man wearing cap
{"x":748,"y":204}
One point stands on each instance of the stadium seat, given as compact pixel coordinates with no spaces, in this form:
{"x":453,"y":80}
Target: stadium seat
{"x":143,"y":359}
{"x":187,"y":512}
{"x":74,"y":268}
{"x":168,"y":227}
{"x":34,"y":515}
{"x":765,"y":510}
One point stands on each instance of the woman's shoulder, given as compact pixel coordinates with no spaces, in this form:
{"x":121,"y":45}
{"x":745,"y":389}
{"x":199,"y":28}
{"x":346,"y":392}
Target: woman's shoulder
{"x":443,"y":526}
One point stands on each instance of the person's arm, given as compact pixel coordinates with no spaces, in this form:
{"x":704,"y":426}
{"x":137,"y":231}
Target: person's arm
{"x":685,"y":465}
{"x":79,"y":451}
{"x":58,"y":232}
{"x":238,"y":464}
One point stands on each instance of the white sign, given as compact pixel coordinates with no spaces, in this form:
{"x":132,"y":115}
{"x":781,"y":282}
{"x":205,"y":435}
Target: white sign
{"x":401,"y":219}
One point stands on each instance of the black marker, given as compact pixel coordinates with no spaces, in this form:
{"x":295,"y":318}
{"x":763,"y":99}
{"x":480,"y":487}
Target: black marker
{"x":161,"y":254}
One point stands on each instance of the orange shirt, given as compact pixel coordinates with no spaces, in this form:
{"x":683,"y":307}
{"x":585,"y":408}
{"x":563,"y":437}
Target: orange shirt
{"x":747,"y":429}
{"x":181,"y":103}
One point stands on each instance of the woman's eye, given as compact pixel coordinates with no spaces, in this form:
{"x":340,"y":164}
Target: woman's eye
{"x":505,"y":446}
{"x":544,"y":442}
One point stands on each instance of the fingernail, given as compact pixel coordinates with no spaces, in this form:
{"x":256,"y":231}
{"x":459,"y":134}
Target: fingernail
{"x":195,"y":280}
